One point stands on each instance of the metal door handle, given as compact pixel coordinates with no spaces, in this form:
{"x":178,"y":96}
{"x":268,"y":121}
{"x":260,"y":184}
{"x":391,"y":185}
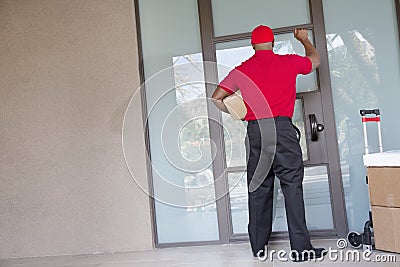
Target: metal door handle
{"x":315,"y":127}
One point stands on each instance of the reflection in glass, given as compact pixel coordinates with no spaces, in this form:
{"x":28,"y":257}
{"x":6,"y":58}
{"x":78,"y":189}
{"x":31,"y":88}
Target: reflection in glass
{"x":364,"y":68}
{"x":238,"y":199}
{"x":182,"y":171}
{"x":298,"y":121}
{"x":188,"y":71}
{"x":316,"y":198}
{"x":234,"y":137}
{"x":182,"y":177}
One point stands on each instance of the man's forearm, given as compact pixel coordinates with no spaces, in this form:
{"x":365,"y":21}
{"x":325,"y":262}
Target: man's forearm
{"x":311,"y":52}
{"x":218,"y":97}
{"x":308,"y":46}
{"x":220,"y":105}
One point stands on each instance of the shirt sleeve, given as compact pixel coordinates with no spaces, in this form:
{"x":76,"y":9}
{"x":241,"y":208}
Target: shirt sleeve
{"x":303,"y":65}
{"x":230,"y":82}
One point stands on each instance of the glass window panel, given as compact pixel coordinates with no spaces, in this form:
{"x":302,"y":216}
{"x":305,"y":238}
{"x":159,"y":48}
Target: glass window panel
{"x":180,"y":145}
{"x":237,"y":16}
{"x":238,"y":198}
{"x":363,"y":49}
{"x":234,"y":137}
{"x":298,"y":121}
{"x":316,"y":198}
{"x":232,"y":54}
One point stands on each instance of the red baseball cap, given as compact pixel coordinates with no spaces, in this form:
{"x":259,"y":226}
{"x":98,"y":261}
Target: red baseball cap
{"x":262,"y":34}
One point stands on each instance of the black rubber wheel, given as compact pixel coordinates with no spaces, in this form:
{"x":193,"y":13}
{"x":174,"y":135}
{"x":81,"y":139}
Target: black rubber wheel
{"x":352,"y":237}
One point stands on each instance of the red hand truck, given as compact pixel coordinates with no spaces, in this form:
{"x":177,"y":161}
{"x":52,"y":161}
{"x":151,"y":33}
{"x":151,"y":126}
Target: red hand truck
{"x":355,"y":239}
{"x":377,"y":119}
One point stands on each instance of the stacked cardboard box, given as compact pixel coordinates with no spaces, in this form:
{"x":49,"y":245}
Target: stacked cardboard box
{"x":384,"y":191}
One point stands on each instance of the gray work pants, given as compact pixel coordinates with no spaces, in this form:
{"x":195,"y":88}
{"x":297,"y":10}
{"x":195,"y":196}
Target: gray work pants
{"x":272,"y":149}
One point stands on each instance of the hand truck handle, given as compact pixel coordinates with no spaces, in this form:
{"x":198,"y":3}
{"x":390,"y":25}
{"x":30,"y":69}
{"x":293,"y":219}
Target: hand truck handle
{"x":377,"y":119}
{"x":364,"y":112}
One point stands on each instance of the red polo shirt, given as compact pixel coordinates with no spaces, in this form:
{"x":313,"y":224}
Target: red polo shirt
{"x":267,"y":82}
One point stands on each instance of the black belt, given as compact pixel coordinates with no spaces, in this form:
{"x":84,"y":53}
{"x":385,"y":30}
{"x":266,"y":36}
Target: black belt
{"x":279,"y":118}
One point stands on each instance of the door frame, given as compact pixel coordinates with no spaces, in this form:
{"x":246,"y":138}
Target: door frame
{"x":208,"y":42}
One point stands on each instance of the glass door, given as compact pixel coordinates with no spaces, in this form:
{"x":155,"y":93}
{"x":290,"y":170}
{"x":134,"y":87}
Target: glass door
{"x":227,"y":46}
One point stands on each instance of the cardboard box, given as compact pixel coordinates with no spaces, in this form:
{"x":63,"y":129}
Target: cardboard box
{"x":384,"y":194}
{"x":235,"y":105}
{"x":386,"y":228}
{"x":384,"y":186}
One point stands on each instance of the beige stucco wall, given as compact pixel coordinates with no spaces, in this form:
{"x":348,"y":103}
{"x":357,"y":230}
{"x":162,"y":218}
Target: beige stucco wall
{"x":68,"y":69}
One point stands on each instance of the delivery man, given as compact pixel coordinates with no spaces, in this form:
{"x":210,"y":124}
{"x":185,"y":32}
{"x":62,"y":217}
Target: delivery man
{"x":267,"y":82}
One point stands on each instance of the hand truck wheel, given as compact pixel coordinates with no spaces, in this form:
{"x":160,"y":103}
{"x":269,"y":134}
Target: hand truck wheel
{"x":355,"y":239}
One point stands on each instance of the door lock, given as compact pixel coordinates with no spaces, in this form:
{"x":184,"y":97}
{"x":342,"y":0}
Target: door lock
{"x":315,"y":127}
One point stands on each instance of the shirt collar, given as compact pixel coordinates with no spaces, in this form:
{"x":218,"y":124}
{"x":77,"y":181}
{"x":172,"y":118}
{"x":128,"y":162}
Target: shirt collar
{"x":264,"y":52}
